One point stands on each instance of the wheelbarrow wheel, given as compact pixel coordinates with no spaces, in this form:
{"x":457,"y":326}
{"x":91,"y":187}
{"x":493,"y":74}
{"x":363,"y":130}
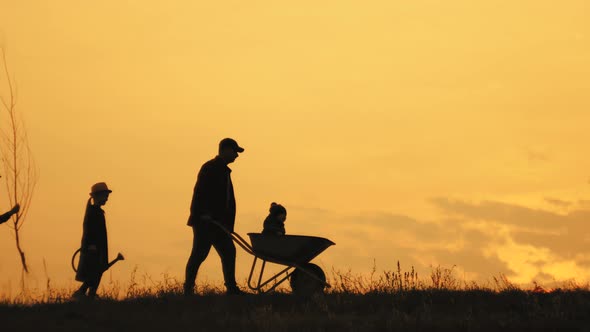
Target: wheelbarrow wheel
{"x":304,"y":284}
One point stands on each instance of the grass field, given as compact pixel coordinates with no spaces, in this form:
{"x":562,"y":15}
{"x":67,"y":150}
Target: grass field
{"x":391,"y":301}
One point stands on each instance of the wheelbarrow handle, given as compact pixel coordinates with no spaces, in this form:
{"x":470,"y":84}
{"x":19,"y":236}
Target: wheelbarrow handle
{"x":235,"y":237}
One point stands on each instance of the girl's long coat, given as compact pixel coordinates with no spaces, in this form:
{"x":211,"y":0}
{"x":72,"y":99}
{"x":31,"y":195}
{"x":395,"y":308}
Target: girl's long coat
{"x":93,"y":263}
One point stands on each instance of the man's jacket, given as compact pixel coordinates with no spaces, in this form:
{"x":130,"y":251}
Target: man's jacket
{"x":214,"y":195}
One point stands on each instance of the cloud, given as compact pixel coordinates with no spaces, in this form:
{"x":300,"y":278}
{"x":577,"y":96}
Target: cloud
{"x":554,"y":239}
{"x":482,"y":240}
{"x":535,"y":155}
{"x":314,"y":210}
{"x":389,"y":238}
{"x":499,"y":212}
{"x":558,"y":202}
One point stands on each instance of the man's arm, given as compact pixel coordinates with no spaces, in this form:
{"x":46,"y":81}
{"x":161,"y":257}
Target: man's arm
{"x":201,"y":203}
{"x":210,"y":193}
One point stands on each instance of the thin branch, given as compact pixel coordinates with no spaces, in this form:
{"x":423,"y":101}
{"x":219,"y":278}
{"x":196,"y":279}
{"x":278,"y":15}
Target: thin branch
{"x":20,"y":171}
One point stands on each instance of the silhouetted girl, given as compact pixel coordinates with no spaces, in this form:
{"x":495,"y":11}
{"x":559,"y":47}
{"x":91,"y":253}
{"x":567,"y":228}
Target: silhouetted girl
{"x":94,"y":252}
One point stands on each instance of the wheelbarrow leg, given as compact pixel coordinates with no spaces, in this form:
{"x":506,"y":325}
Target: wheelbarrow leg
{"x":251,"y":274}
{"x":260,"y":285}
{"x":261,"y":273}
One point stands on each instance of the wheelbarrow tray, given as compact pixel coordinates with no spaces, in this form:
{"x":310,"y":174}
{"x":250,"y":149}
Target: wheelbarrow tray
{"x":288,"y":249}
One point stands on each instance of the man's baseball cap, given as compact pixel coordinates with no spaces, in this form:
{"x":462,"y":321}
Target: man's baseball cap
{"x":230,"y":143}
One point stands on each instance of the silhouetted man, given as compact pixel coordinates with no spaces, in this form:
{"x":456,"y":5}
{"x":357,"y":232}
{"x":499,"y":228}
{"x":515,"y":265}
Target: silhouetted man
{"x":213,"y":198}
{"x":5,"y":217}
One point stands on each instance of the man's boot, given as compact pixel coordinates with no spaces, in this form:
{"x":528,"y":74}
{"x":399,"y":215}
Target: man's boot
{"x":234,"y":290}
{"x":189,"y":290}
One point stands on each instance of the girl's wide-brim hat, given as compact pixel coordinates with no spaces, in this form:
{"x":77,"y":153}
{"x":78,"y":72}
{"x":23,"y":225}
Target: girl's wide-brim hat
{"x":100,"y":187}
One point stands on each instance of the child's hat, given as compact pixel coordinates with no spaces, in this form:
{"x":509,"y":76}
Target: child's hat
{"x":100,"y":188}
{"x":277,"y":209}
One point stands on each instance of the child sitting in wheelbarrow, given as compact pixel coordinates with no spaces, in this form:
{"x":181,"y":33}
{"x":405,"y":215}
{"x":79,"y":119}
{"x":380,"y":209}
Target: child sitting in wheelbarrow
{"x":274,"y":224}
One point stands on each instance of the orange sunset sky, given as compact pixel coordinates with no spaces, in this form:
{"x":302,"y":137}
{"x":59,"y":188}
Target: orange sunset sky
{"x":430,"y":132}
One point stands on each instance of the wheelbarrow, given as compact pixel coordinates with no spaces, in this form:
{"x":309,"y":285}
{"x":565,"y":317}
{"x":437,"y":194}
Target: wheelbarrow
{"x":293,"y":251}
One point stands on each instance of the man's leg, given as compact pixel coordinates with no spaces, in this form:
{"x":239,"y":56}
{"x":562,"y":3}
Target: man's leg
{"x":226,"y":249}
{"x":200,"y":251}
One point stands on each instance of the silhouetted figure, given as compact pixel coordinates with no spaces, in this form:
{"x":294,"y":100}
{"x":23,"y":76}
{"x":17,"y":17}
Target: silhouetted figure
{"x":94,"y":252}
{"x":5,"y":217}
{"x":213,"y":198}
{"x":274,"y":224}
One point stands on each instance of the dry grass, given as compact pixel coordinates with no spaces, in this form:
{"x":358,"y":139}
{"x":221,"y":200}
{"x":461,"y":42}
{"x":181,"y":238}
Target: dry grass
{"x":385,"y":301}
